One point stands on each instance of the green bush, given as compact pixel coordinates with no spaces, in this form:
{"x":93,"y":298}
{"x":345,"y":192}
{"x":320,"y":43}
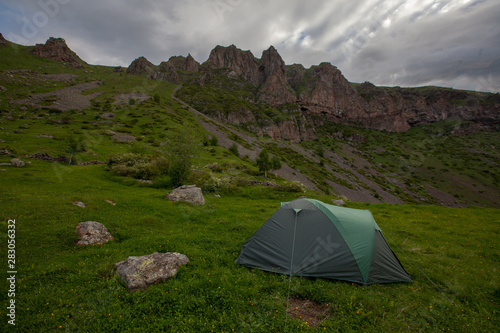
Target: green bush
{"x":138,"y":166}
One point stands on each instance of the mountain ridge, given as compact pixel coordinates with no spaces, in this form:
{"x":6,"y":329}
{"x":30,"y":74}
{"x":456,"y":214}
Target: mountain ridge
{"x":309,"y":95}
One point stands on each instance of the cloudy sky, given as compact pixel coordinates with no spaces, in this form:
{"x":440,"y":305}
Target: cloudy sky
{"x":451,"y":43}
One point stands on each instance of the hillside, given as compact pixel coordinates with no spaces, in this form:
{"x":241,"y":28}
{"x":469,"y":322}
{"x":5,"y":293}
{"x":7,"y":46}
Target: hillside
{"x":451,"y":162}
{"x":104,"y":136}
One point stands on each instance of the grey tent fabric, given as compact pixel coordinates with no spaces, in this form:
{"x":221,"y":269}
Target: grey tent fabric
{"x":302,"y":238}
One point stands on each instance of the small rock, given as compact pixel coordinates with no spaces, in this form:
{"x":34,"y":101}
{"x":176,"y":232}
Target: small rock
{"x":139,"y":272}
{"x":108,"y":115}
{"x":338,"y":202}
{"x":91,"y":232}
{"x":189,"y":193}
{"x":79,"y":204}
{"x":217,"y":195}
{"x":111,"y":202}
{"x":17,"y":162}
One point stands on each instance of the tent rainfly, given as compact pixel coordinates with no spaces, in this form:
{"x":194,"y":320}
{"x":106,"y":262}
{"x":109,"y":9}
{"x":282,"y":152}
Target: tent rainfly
{"x":307,"y":237}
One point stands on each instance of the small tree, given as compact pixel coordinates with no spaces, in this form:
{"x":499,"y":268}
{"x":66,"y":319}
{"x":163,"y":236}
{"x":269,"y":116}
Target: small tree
{"x":265,"y":164}
{"x":74,"y":145}
{"x":181,"y":149}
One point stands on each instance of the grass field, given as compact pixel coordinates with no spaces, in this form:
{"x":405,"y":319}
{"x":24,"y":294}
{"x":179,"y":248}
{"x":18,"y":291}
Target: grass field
{"x":68,"y":288}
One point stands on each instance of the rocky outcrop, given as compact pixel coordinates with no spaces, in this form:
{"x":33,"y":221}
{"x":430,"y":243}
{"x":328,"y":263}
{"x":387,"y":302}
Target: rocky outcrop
{"x":3,"y":42}
{"x":140,"y":65}
{"x":185,"y":63}
{"x":139,"y":272}
{"x":92,"y":233}
{"x":166,"y":72}
{"x":57,"y":50}
{"x":189,"y":193}
{"x":275,"y":89}
{"x":243,"y":63}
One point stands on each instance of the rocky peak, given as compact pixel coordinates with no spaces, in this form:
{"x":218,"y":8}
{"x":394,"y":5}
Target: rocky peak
{"x":57,"y":50}
{"x":165,"y":71}
{"x":185,"y":63}
{"x":140,"y":65}
{"x":243,"y":63}
{"x":3,"y":42}
{"x":272,"y":75}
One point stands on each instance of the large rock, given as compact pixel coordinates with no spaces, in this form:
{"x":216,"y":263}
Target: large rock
{"x":139,"y":272}
{"x":17,"y":162}
{"x":57,"y":50}
{"x":92,"y":233}
{"x":189,"y":193}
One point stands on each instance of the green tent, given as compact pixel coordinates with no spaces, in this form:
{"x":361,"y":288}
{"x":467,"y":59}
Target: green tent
{"x":307,"y":237}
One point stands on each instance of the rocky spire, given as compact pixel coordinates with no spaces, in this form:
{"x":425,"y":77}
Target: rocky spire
{"x":140,"y":65}
{"x":57,"y":50}
{"x":272,"y":77}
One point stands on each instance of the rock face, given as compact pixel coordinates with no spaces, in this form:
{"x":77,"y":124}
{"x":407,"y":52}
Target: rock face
{"x":189,"y":193}
{"x":322,"y":92}
{"x":139,"y":272}
{"x":140,"y":65}
{"x":165,"y":71}
{"x":92,"y":233}
{"x":185,"y":63}
{"x":275,"y":89}
{"x":57,"y":50}
{"x":243,"y":63}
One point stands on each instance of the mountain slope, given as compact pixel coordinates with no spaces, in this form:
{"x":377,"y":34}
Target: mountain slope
{"x":451,"y":162}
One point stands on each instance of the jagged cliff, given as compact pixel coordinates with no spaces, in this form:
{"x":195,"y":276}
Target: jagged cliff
{"x":304,"y":98}
{"x":57,"y":50}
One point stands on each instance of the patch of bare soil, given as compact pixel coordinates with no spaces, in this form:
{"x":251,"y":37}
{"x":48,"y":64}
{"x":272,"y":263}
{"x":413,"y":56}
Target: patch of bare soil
{"x":65,"y":99}
{"x":310,"y":312}
{"x":122,"y":137}
{"x":137,"y":97}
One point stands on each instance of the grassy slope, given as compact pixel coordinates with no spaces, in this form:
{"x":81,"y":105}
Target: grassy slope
{"x":64,"y":287}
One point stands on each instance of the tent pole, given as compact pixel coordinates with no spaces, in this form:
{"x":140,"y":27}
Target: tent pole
{"x":291,"y":267}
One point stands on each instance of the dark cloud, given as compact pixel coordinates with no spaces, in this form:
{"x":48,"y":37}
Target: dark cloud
{"x":404,"y":42}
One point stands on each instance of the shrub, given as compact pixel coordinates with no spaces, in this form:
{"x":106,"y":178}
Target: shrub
{"x":138,"y":166}
{"x":234,"y":149}
{"x":292,"y":186}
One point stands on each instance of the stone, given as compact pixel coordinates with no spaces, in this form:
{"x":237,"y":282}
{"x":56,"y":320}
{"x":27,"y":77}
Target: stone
{"x":139,"y":272}
{"x":92,"y":233}
{"x":17,"y":162}
{"x":189,"y":193}
{"x":339,"y":202}
{"x":111,"y":202}
{"x":79,"y":204}
{"x":108,"y":115}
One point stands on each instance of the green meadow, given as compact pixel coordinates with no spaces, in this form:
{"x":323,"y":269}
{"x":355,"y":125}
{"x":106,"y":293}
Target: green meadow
{"x":62,"y":287}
